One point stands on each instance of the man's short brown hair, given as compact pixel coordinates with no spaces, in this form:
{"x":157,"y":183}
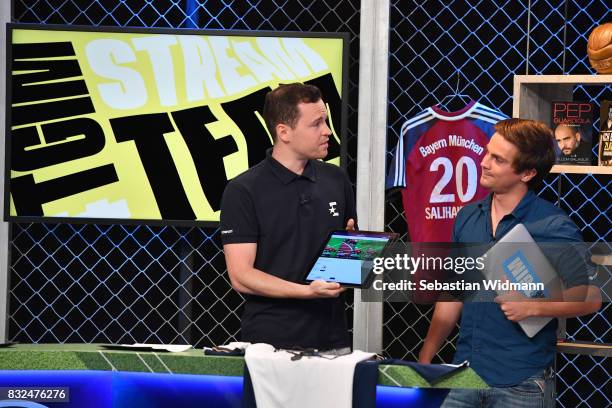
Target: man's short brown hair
{"x":535,"y":143}
{"x":281,"y":105}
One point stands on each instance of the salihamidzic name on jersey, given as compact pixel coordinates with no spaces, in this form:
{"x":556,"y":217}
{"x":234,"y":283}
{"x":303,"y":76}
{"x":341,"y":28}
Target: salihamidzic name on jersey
{"x":442,"y":212}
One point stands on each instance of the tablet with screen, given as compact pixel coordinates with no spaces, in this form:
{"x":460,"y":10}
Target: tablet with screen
{"x":347,"y":257}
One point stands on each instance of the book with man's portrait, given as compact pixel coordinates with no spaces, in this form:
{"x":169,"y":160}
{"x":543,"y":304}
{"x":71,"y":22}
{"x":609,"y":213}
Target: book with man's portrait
{"x":572,"y":124}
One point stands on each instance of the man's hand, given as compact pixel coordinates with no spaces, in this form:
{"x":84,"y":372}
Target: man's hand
{"x":515,"y":306}
{"x":322,"y":289}
{"x":350,"y":225}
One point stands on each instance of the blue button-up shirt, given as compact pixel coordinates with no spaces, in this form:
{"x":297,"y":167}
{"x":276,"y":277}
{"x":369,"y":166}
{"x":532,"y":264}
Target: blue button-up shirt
{"x":497,"y":349}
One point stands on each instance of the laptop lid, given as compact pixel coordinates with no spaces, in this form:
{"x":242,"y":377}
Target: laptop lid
{"x":517,"y":258}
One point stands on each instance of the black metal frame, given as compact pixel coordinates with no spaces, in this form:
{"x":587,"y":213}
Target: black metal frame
{"x":344,"y":36}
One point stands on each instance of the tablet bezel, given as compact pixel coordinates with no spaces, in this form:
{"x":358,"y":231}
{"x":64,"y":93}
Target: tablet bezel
{"x":368,"y":279}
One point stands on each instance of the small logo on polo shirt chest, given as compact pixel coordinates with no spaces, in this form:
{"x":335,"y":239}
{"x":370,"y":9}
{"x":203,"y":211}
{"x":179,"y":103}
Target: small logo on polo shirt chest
{"x":332,"y":208}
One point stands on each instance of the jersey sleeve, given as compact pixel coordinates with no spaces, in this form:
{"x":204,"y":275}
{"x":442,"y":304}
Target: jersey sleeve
{"x":238,"y":216}
{"x":396,"y":177}
{"x":409,"y":133}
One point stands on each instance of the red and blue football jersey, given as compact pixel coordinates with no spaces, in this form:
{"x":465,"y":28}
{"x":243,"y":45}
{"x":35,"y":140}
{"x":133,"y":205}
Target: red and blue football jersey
{"x":437,"y":161}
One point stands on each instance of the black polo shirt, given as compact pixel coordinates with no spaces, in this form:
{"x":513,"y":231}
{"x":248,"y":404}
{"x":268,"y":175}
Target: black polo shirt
{"x":288,"y":216}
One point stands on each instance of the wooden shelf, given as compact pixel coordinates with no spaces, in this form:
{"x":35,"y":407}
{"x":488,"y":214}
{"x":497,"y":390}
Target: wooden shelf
{"x":602,"y":259}
{"x":563,"y":79}
{"x":585,"y":348}
{"x":534,"y":94}
{"x":569,"y":169}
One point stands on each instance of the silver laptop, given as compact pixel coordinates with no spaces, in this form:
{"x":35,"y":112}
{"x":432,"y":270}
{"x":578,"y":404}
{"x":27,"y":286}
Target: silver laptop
{"x":517,"y":258}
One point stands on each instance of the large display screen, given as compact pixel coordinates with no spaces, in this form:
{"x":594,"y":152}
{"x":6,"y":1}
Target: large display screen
{"x":140,"y":125}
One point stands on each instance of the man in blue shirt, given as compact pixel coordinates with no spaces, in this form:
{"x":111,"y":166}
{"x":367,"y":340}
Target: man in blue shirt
{"x":517,"y":368}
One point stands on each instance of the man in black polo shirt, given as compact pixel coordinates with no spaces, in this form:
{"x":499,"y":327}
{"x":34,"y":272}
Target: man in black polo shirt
{"x":274,"y":218}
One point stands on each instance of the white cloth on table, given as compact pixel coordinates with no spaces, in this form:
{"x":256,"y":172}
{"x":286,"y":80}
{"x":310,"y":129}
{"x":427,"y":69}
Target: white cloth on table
{"x":308,"y":382}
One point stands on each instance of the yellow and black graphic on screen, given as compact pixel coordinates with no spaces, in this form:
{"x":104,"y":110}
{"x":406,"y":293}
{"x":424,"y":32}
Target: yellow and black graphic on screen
{"x":143,"y":126}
